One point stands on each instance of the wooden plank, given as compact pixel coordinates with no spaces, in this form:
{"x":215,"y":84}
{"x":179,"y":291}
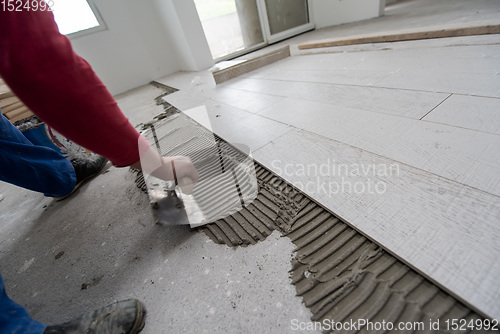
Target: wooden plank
{"x":250,"y":65}
{"x":4,"y":88}
{"x":4,"y":95}
{"x":24,"y":115}
{"x":404,"y":35}
{"x":11,"y":107}
{"x":7,"y":97}
{"x":16,"y":112}
{"x":8,"y":101}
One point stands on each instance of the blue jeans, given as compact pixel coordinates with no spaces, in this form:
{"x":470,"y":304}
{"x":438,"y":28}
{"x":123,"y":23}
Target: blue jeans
{"x":13,"y":317}
{"x":37,"y":168}
{"x":33,"y":167}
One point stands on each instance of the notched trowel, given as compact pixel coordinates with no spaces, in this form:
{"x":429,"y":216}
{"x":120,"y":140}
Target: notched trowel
{"x":173,"y":202}
{"x":227,"y":179}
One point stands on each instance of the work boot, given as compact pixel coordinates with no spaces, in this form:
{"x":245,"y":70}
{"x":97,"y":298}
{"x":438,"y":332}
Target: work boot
{"x":124,"y":317}
{"x":84,"y":170}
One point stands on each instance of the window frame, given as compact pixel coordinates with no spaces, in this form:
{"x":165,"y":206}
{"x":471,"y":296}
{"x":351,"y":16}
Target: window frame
{"x":102,"y":25}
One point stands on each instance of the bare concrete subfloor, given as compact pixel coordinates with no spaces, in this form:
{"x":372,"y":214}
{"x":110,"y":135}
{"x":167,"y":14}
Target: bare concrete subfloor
{"x":60,"y":259}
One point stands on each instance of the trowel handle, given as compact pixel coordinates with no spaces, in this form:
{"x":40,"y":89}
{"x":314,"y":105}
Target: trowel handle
{"x":186,"y":184}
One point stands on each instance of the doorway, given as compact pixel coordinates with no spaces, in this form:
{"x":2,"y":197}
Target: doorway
{"x":236,"y":27}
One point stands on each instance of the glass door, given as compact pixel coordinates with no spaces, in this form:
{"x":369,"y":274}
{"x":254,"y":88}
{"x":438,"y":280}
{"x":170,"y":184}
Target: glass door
{"x":285,"y":18}
{"x":236,"y":27}
{"x":232,"y":27}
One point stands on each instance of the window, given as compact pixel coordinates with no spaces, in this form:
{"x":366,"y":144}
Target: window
{"x":77,"y":17}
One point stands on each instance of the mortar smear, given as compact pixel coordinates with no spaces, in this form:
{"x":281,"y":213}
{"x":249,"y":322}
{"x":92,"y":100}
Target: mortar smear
{"x":339,"y":273}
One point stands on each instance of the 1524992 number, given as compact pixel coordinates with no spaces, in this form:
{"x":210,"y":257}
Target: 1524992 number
{"x":474,"y":324}
{"x":20,"y":5}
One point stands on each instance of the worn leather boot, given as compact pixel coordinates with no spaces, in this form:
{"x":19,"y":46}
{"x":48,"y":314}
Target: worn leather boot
{"x":124,"y":317}
{"x":84,"y":170}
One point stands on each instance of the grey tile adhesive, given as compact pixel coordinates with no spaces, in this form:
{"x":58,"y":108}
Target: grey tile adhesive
{"x":339,"y":273}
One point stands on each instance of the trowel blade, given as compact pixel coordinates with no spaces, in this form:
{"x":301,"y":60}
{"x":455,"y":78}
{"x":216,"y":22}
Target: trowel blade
{"x":172,"y":206}
{"x":170,"y":210}
{"x":193,"y":211}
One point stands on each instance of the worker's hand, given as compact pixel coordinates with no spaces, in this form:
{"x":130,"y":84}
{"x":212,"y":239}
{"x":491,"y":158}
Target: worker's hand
{"x":186,"y":173}
{"x":178,"y":168}
{"x":152,"y":163}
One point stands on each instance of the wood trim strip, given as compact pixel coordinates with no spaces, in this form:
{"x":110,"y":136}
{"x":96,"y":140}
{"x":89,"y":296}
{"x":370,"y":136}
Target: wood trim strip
{"x":405,"y":35}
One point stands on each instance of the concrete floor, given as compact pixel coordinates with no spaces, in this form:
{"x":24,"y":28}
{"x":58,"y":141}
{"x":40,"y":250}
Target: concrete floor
{"x":440,"y":214}
{"x":112,"y":250}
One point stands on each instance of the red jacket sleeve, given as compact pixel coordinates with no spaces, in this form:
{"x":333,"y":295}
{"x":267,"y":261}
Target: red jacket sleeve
{"x":41,"y":68}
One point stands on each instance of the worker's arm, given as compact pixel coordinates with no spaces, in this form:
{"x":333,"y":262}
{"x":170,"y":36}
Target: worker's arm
{"x":41,"y":68}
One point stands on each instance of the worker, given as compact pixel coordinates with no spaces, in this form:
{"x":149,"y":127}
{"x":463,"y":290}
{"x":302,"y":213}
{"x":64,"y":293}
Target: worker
{"x":41,"y":68}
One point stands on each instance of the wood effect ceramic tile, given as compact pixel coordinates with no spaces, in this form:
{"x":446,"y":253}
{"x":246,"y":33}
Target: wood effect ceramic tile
{"x":484,"y":176}
{"x":232,"y":124}
{"x":379,"y":134}
{"x":347,"y":77}
{"x":431,"y":60}
{"x":363,"y":129}
{"x":491,"y":152}
{"x":220,"y":115}
{"x":329,"y":62}
{"x":476,"y":113}
{"x":244,"y":100}
{"x":183,"y":100}
{"x":253,"y":131}
{"x":252,"y":85}
{"x":398,"y":102}
{"x":294,"y":112}
{"x":480,"y":84}
{"x":427,"y":220}
{"x":444,"y":150}
{"x":447,"y":151}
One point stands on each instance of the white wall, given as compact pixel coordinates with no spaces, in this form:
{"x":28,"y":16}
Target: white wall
{"x":143,"y":42}
{"x":194,"y":34}
{"x":183,"y":25}
{"x":333,"y":12}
